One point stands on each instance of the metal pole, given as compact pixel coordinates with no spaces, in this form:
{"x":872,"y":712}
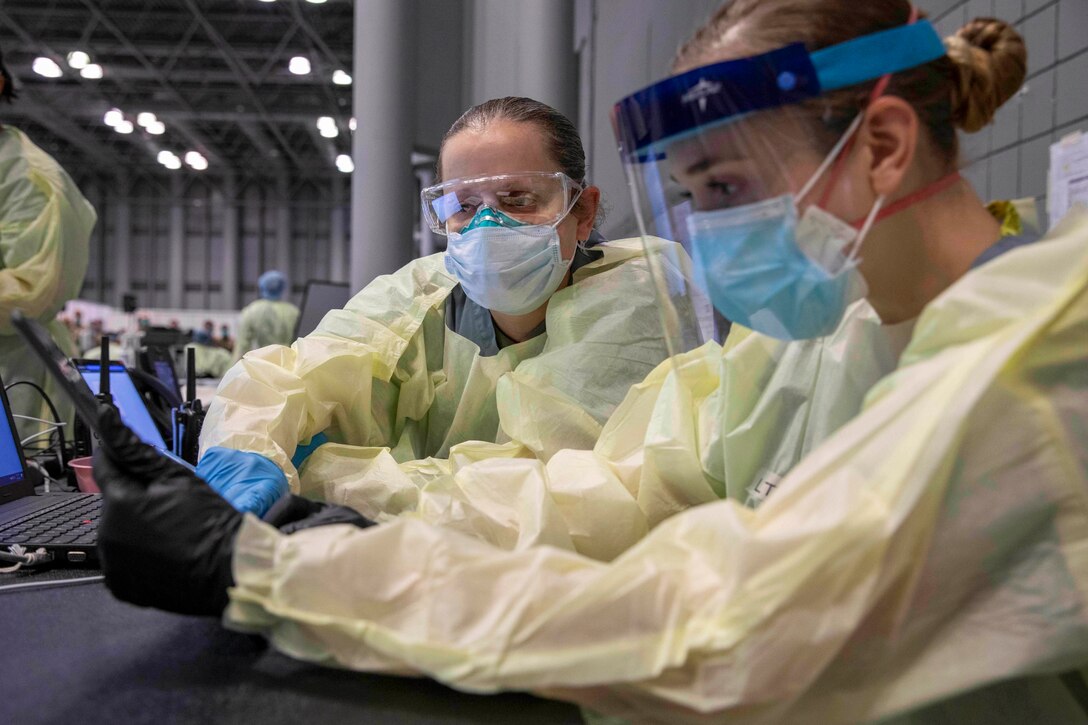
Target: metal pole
{"x":338,"y":271}
{"x":122,"y":236}
{"x":175,"y":283}
{"x":549,"y":66}
{"x":231,"y":255}
{"x":282,"y":256}
{"x":383,"y":187}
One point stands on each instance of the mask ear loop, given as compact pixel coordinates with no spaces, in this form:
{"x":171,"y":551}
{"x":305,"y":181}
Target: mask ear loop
{"x":831,"y":158}
{"x":877,"y":92}
{"x":855,"y":248}
{"x":874,"y":213}
{"x":579,"y":243}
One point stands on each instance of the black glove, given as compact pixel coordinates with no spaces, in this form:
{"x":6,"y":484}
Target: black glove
{"x":166,"y":539}
{"x":294,"y":513}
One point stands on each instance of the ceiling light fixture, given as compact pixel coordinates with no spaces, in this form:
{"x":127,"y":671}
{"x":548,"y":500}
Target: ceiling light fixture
{"x":78,"y":59}
{"x":351,"y":123}
{"x":146,"y":118}
{"x":46,"y":67}
{"x":196,"y":160}
{"x":113,"y":117}
{"x":157,"y":128}
{"x":327,"y":126}
{"x":169,"y":159}
{"x":125,"y":127}
{"x":299,"y":65}
{"x":341,"y":78}
{"x":91,"y":71}
{"x":345,"y":164}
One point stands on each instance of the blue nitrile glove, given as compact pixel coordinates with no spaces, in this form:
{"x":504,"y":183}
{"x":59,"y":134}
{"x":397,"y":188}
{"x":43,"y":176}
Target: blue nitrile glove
{"x":302,"y":452}
{"x":248,"y":481}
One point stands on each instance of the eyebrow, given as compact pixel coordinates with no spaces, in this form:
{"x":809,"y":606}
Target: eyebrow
{"x":699,"y":166}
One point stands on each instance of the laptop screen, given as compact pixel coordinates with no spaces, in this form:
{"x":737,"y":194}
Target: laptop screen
{"x":164,"y":371}
{"x":128,"y":401}
{"x":11,"y":465}
{"x":320,"y":297}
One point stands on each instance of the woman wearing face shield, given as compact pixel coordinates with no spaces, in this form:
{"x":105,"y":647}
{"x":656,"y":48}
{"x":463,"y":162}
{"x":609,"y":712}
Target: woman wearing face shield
{"x":527,"y":330}
{"x":924,"y":563}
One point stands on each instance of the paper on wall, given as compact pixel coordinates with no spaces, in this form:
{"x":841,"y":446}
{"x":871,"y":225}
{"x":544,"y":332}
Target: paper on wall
{"x":1068,"y":182}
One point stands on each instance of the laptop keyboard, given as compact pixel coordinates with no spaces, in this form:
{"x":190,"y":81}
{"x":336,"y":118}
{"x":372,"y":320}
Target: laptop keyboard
{"x":72,"y":521}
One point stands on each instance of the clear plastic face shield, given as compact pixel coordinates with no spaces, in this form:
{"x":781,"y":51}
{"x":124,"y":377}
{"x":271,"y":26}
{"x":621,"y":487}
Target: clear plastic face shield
{"x":726,"y":160}
{"x":524,"y":199}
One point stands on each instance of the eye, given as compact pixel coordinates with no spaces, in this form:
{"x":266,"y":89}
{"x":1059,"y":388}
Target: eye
{"x":717,"y":194}
{"x":518,"y":199}
{"x":724,"y":189}
{"x":469,"y":205}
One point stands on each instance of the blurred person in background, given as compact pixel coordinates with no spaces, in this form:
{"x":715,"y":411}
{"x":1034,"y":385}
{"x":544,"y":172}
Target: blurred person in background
{"x":45,"y":228}
{"x":269,"y":320}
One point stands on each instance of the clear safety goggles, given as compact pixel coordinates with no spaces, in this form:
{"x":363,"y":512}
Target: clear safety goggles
{"x":533,"y":197}
{"x":737,"y":134}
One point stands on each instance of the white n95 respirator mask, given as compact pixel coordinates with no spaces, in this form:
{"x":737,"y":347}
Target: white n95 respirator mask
{"x":505,"y":265}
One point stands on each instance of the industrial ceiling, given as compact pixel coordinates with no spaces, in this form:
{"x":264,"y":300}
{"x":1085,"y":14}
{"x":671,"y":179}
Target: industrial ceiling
{"x":221,"y":78}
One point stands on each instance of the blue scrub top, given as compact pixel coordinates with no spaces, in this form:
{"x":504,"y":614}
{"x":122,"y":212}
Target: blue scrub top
{"x":1005,"y":244}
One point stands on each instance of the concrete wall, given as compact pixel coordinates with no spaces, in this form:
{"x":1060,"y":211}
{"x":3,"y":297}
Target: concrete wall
{"x":1010,"y":158}
{"x":623,"y":45}
{"x":522,"y":48}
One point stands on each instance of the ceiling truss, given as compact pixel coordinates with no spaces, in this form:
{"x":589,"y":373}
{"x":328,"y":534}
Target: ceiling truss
{"x":213,"y":71}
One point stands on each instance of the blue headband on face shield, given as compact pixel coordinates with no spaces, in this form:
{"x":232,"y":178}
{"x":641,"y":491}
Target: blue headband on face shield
{"x":675,"y":106}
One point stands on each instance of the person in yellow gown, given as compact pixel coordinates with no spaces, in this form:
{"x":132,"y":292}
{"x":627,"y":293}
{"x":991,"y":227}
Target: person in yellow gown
{"x":45,"y":228}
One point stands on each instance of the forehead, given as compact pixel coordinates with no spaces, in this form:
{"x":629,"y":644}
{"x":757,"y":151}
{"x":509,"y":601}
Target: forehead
{"x":772,"y":138}
{"x":694,"y":154}
{"x":501,"y":147}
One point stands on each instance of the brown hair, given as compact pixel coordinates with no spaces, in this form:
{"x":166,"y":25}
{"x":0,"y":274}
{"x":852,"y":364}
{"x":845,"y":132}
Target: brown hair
{"x":984,"y":67}
{"x":564,"y":143}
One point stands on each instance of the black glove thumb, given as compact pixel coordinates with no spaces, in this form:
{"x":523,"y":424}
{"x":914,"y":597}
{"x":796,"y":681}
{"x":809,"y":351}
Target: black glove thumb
{"x":122,"y":450}
{"x":294,"y":513}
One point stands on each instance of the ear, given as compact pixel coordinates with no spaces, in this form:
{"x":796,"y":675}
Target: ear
{"x":888,"y":138}
{"x":585,"y":211}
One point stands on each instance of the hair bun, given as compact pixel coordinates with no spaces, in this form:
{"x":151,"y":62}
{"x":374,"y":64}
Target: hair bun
{"x":990,"y":64}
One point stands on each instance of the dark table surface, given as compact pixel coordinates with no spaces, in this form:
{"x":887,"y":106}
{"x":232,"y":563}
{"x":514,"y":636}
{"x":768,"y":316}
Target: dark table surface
{"x":73,"y":654}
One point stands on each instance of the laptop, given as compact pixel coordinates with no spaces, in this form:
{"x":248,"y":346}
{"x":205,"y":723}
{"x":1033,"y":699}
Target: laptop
{"x":64,"y":524}
{"x":130,"y":404}
{"x":319,"y":298}
{"x":157,"y":361}
{"x":78,"y":389}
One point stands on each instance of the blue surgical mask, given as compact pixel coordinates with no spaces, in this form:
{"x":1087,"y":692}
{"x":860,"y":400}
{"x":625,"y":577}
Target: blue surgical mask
{"x":505,"y":265}
{"x":764,"y":270}
{"x":788,"y":278}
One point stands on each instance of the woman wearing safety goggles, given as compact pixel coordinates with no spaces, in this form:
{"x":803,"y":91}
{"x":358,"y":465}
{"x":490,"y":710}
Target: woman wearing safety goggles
{"x":528,"y":328}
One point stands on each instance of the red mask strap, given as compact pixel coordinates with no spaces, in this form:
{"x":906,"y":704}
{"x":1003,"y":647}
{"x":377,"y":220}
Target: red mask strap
{"x":877,"y":92}
{"x":913,"y":198}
